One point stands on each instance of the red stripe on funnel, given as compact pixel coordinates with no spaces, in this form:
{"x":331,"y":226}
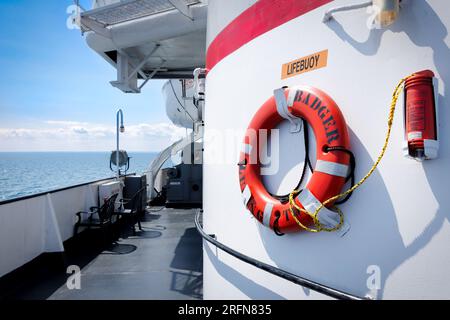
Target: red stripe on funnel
{"x":263,"y":16}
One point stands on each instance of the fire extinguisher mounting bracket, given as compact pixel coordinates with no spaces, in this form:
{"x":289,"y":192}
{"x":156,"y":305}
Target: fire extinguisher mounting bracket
{"x":436,"y":103}
{"x":431,"y":148}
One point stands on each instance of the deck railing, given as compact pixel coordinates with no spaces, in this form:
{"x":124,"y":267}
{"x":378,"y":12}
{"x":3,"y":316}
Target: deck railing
{"x":40,"y":223}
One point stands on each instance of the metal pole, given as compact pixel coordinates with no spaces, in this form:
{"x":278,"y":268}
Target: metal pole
{"x":119,"y":116}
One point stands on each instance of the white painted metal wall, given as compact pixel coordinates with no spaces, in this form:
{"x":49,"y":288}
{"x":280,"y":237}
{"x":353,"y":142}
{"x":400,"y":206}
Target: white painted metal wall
{"x":399,"y":218}
{"x":41,"y":224}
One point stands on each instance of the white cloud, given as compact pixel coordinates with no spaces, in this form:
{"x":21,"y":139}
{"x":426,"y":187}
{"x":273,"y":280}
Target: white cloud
{"x":80,"y":130}
{"x":66,"y":123}
{"x":83,"y":136}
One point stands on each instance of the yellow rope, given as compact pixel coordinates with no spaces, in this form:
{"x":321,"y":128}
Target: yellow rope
{"x":319,"y":226}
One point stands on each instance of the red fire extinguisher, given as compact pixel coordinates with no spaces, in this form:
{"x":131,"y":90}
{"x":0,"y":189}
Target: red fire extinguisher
{"x":421,"y":129}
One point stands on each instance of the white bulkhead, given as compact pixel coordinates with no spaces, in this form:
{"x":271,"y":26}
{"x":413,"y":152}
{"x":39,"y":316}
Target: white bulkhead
{"x":399,"y":219}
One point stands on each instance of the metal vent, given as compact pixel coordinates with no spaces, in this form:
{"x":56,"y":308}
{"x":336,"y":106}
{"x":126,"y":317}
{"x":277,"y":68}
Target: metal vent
{"x":131,"y":9}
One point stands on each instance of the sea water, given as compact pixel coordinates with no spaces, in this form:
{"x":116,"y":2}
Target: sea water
{"x":27,"y":173}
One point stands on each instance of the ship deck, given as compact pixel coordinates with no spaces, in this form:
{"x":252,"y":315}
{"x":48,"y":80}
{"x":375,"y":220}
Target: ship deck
{"x":163,"y":261}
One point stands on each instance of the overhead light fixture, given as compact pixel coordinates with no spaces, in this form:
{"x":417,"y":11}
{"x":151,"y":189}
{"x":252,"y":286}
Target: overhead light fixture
{"x":386,"y":12}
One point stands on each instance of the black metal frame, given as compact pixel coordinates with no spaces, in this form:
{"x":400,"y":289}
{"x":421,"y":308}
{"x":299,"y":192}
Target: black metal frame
{"x":105,"y":213}
{"x":133,"y":213}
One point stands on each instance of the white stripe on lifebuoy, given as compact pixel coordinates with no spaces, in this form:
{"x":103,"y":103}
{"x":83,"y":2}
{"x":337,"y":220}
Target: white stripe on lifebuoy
{"x":246,"y":195}
{"x":326,"y":217}
{"x":247,"y":148}
{"x":267,"y":214}
{"x":333,"y":168}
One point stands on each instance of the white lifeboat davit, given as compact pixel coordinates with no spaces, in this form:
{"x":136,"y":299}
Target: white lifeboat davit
{"x":148,"y":39}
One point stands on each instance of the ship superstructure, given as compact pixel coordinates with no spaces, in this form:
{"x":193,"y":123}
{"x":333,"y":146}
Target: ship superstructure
{"x":234,"y":65}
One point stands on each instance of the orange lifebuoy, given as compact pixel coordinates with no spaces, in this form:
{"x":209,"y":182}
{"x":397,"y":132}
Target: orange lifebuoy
{"x":331,"y":169}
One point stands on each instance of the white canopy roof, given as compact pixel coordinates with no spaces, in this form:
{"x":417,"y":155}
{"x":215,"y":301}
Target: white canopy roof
{"x":147,"y":39}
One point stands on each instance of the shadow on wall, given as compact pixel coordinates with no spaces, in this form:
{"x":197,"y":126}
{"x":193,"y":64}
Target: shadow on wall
{"x":374,"y":221}
{"x":416,"y":19}
{"x":383,"y":244}
{"x":247,"y":286}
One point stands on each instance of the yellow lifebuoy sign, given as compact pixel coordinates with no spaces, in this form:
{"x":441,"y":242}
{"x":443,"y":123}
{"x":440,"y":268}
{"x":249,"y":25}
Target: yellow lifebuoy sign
{"x":309,"y":63}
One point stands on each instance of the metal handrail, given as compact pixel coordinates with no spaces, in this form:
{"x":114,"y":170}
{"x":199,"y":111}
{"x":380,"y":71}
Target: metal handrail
{"x":35,"y":195}
{"x":315,"y":286}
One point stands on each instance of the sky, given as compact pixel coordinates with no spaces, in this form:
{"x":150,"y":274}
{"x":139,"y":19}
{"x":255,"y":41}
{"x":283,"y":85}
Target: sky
{"x":55,"y":93}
